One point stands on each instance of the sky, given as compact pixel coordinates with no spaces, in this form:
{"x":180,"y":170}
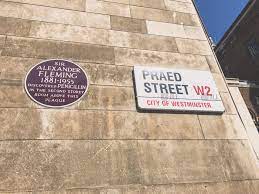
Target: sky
{"x":218,"y":15}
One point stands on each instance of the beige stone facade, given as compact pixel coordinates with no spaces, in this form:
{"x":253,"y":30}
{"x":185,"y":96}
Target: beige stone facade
{"x":103,"y":144}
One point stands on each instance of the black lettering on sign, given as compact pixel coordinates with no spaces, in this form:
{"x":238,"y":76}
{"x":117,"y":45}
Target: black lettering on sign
{"x":147,"y":87}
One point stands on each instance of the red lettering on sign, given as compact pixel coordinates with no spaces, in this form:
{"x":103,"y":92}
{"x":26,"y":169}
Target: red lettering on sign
{"x":153,"y":102}
{"x":202,"y":90}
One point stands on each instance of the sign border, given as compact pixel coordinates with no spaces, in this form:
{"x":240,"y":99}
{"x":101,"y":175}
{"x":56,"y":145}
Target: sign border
{"x":49,"y":106}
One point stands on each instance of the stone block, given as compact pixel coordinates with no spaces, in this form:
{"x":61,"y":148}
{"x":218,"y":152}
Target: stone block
{"x":193,"y":46}
{"x":185,"y":7}
{"x":246,"y":118}
{"x":170,"y":189}
{"x":64,"y":4}
{"x":15,"y":68}
{"x":101,"y":36}
{"x":108,"y":8}
{"x":165,"y":29}
{"x":256,"y":185}
{"x":228,"y":187}
{"x":194,"y":32}
{"x":159,"y":4}
{"x":110,"y":75}
{"x":131,"y":57}
{"x":13,"y":95}
{"x":2,"y":43}
{"x":128,"y":24}
{"x":150,"y":14}
{"x":234,"y":167}
{"x":220,"y":82}
{"x":13,"y":26}
{"x":185,"y":19}
{"x":222,"y":127}
{"x":232,"y":187}
{"x":37,"y":48}
{"x":163,"y":16}
{"x":142,"y":41}
{"x":82,"y":164}
{"x":213,"y":64}
{"x":92,"y":124}
{"x":69,"y":33}
{"x":186,"y":1}
{"x":109,"y":98}
{"x":48,"y":14}
{"x":118,"y":1}
{"x":228,"y":103}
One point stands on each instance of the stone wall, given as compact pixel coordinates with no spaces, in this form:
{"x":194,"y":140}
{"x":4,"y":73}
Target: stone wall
{"x":102,"y":144}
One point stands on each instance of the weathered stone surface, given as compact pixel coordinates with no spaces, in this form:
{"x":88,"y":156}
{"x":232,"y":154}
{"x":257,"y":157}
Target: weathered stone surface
{"x":222,"y":127}
{"x":36,"y":48}
{"x":110,"y":98}
{"x":193,"y":46}
{"x":91,"y":124}
{"x":175,"y":30}
{"x":69,"y":33}
{"x":102,"y":144}
{"x":219,"y":154}
{"x":235,"y":187}
{"x":151,"y":14}
{"x":165,"y":29}
{"x":214,"y":66}
{"x":101,"y":74}
{"x":256,"y":185}
{"x":131,"y":57}
{"x":15,"y":68}
{"x":65,"y":4}
{"x":245,"y":116}
{"x":128,"y":24}
{"x":235,"y":168}
{"x":13,"y":26}
{"x":185,"y":19}
{"x":228,"y":103}
{"x":27,"y":28}
{"x":48,"y":14}
{"x":179,"y":6}
{"x":163,"y":16}
{"x":159,"y":4}
{"x":220,"y":82}
{"x":142,"y":41}
{"x":190,"y":1}
{"x":2,"y":43}
{"x":13,"y":95}
{"x":77,"y":164}
{"x":101,"y":36}
{"x":118,"y":1}
{"x":103,"y":7}
{"x":194,"y":32}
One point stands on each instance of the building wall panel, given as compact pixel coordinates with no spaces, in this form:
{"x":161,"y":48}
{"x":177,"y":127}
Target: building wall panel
{"x":104,"y":144}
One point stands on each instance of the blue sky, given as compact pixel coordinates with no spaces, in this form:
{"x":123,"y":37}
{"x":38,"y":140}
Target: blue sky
{"x":218,"y":15}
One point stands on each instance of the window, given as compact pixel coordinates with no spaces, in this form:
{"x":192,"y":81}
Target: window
{"x":253,"y":48}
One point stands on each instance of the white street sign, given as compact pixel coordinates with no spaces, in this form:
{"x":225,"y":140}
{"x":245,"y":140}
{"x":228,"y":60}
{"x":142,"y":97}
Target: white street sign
{"x":176,"y":90}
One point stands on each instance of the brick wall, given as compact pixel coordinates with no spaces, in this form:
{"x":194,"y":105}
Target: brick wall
{"x":102,"y":144}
